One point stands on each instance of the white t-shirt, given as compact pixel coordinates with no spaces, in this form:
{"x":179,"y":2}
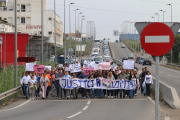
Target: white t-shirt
{"x":148,"y":79}
{"x":25,"y":79}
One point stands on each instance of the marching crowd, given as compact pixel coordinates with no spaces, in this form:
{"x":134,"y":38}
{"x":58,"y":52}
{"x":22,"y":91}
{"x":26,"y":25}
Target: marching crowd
{"x":45,"y":84}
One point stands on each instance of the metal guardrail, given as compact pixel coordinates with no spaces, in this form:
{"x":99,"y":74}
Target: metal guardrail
{"x":9,"y":92}
{"x":174,"y":66}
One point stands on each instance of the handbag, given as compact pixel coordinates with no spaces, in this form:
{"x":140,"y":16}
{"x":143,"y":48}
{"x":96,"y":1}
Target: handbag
{"x":35,"y":87}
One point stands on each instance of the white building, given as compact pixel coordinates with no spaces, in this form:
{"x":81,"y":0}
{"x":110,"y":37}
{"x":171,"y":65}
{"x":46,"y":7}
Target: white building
{"x":6,"y":27}
{"x":29,"y":20}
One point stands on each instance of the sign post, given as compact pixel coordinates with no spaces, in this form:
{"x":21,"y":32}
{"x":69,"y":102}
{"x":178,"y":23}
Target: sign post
{"x":157,"y":39}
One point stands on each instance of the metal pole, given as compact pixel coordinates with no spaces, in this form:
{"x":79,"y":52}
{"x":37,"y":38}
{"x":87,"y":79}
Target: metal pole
{"x":75,"y":33}
{"x":157,"y":89}
{"x":81,"y":36}
{"x":42,"y":32}
{"x":158,"y":17}
{"x":171,"y":21}
{"x":163,"y":16}
{"x":1,"y":53}
{"x":55,"y":29}
{"x":64,"y":36}
{"x":78,"y":40}
{"x":15,"y":65}
{"x":70,"y":29}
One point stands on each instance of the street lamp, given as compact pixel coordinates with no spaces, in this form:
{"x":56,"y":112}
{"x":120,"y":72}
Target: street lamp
{"x":163,"y":14}
{"x":154,"y":18}
{"x":75,"y":30}
{"x":64,"y":36}
{"x":70,"y":27}
{"x":157,"y":15}
{"x":79,"y":36}
{"x":81,"y":32}
{"x":171,"y":21}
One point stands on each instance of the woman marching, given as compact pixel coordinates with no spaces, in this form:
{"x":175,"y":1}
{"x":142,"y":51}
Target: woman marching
{"x":44,"y":84}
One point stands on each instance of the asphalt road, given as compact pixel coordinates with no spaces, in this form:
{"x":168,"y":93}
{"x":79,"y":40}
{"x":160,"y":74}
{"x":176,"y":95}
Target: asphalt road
{"x":168,"y":76}
{"x":139,"y":108}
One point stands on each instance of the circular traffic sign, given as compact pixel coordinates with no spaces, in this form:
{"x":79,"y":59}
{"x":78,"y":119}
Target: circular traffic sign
{"x":157,"y":39}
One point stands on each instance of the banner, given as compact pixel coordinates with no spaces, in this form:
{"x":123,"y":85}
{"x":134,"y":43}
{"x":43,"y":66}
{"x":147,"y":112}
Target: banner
{"x":39,"y":68}
{"x":88,"y":70}
{"x":75,"y":67}
{"x":96,"y":66}
{"x":30,"y":66}
{"x":60,"y":65}
{"x":128,"y":64}
{"x":89,"y":63}
{"x":96,"y":83}
{"x":104,"y":66}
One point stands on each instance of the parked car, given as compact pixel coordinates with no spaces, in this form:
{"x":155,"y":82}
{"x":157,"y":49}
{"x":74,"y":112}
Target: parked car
{"x":123,"y":46}
{"x":130,"y":56}
{"x":117,"y":41}
{"x":141,"y":60}
{"x":107,"y":59}
{"x":98,"y":59}
{"x":137,"y":59}
{"x":124,"y":58}
{"x":146,"y":62}
{"x":82,"y":61}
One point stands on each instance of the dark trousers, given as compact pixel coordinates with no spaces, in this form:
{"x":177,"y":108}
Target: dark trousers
{"x":47,"y":91}
{"x":23,"y":90}
{"x":141,"y":86}
{"x":148,"y":88}
{"x":83,"y":92}
{"x":122,"y":91}
{"x":116,"y":92}
{"x":110,"y":91}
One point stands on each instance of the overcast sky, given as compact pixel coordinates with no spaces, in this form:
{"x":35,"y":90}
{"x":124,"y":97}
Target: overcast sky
{"x":108,"y":15}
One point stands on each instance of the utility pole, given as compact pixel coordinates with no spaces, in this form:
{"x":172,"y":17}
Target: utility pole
{"x":55,"y":30}
{"x":15,"y":65}
{"x":64,"y":36}
{"x":42,"y":11}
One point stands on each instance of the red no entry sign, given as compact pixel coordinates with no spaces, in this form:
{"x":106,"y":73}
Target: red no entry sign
{"x":157,"y":39}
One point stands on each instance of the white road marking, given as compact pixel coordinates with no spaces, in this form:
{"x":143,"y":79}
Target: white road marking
{"x":151,"y":100}
{"x":167,"y":118}
{"x":75,"y":114}
{"x":17,"y":106}
{"x":157,"y":39}
{"x":85,"y":107}
{"x":88,"y":102}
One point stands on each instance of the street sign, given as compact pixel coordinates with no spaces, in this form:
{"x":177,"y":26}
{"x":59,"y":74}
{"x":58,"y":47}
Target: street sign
{"x":115,"y":32}
{"x":3,"y":3}
{"x":157,"y":39}
{"x":70,"y":51}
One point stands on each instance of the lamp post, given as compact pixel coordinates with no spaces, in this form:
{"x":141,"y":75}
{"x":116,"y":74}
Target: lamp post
{"x":81,"y":32}
{"x":15,"y":65}
{"x":79,"y":37}
{"x":75,"y":31}
{"x":70,"y":27}
{"x":171,"y":21}
{"x":42,"y":32}
{"x":154,"y":18}
{"x":163,"y":14}
{"x":64,"y":36}
{"x":55,"y":29}
{"x":157,"y":15}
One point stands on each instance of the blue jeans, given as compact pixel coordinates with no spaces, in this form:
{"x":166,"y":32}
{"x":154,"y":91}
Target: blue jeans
{"x":124,"y":92}
{"x":141,"y":86}
{"x":99,"y":93}
{"x":26,"y":89}
{"x":91,"y":92}
{"x":132,"y":92}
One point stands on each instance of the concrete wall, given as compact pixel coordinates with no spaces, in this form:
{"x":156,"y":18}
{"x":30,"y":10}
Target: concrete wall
{"x":170,"y":95}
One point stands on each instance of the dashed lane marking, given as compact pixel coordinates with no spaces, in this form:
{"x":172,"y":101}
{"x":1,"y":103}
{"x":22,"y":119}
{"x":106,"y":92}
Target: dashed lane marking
{"x":88,"y":102}
{"x":75,"y":114}
{"x":85,"y":107}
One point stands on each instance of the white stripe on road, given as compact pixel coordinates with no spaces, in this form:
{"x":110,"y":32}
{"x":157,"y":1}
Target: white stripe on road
{"x":88,"y":102}
{"x":151,"y":100}
{"x":85,"y":107}
{"x":157,"y":39}
{"x":75,"y":114}
{"x":16,"y":106}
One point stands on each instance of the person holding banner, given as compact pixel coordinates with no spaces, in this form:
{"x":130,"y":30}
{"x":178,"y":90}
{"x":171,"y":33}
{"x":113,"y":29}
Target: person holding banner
{"x":91,"y":76}
{"x":110,"y":77}
{"x":75,"y":91}
{"x":21,"y":81}
{"x":99,"y":91}
{"x":83,"y":90}
{"x":116,"y":74}
{"x":67,"y":91}
{"x":58,"y":87}
{"x":38,"y":85}
{"x":131,"y":77}
{"x":44,"y":84}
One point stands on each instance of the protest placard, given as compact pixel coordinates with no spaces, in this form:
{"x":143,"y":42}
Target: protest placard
{"x":88,"y":63}
{"x":67,"y":69}
{"x":60,"y":65}
{"x":39,"y":68}
{"x":96,"y":67}
{"x":47,"y":68}
{"x":128,"y":64}
{"x":104,"y":66}
{"x":75,"y":67}
{"x":88,"y":70}
{"x":30,"y":66}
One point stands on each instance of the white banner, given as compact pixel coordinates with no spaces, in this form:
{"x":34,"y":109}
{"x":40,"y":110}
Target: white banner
{"x":30,"y":66}
{"x":72,"y":83}
{"x":128,"y":64}
{"x":47,"y":68}
{"x":75,"y":67}
{"x":89,"y":63}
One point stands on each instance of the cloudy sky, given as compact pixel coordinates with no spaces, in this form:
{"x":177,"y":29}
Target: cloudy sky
{"x":108,"y":15}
